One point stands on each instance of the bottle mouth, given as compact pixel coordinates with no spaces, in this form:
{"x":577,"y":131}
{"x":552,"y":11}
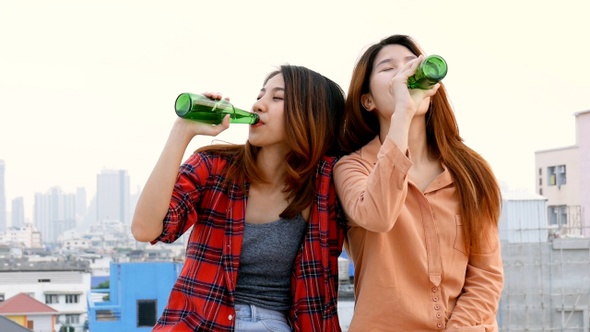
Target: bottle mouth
{"x":256,"y":118}
{"x":435,"y":67}
{"x":182,"y":105}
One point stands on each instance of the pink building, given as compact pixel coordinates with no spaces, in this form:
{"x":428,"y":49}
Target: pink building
{"x":563,"y":177}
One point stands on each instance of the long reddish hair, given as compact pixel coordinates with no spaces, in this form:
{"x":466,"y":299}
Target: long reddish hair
{"x":477,"y":186}
{"x":313,"y":111}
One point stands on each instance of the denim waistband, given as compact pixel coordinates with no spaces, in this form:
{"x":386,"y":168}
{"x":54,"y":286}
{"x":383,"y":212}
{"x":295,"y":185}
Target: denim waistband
{"x":256,"y":312}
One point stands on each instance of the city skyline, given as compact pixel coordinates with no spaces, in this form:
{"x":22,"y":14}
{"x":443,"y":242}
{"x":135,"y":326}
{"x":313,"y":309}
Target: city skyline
{"x":79,"y":96}
{"x":112,"y":200}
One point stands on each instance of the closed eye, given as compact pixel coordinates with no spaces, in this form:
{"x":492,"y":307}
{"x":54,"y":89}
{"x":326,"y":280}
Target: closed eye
{"x":388,"y":69}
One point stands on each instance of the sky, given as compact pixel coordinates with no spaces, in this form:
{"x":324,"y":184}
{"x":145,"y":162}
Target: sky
{"x":90,"y":85}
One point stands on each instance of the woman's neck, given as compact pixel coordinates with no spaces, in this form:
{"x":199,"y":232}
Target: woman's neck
{"x":271,"y":165}
{"x":417,"y":143}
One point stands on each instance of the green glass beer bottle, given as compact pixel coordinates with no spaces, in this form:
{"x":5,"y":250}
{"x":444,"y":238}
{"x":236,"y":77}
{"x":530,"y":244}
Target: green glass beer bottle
{"x":204,"y":109}
{"x":430,"y":71}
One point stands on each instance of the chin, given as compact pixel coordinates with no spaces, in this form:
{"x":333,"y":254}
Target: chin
{"x":424,"y":106}
{"x":253,"y":142}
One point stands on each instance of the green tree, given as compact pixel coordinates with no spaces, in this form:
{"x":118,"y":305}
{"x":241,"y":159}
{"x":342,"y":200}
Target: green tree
{"x":104,"y":285}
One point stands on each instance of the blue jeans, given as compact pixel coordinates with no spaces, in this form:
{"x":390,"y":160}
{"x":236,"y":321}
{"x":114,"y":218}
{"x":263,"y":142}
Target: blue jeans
{"x":250,"y":318}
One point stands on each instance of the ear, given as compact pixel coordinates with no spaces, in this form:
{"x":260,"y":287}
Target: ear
{"x":367,"y":102}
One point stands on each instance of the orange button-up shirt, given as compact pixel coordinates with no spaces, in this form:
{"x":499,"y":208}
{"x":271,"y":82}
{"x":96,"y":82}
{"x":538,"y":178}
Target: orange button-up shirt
{"x":412,"y":272}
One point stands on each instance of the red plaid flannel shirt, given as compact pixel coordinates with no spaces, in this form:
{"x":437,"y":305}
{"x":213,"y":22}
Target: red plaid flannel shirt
{"x":202,"y":298}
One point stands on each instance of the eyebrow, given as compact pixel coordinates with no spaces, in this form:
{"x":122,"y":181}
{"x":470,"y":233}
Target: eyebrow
{"x":273,"y":89}
{"x":407,"y":58}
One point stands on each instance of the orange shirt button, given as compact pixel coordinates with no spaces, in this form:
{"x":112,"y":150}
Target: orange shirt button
{"x":438,"y":315}
{"x":434,"y":289}
{"x":436,"y":307}
{"x":435,"y":299}
{"x":439,"y":325}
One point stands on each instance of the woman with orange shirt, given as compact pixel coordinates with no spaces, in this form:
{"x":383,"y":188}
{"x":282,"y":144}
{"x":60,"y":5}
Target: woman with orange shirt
{"x":422,"y":207}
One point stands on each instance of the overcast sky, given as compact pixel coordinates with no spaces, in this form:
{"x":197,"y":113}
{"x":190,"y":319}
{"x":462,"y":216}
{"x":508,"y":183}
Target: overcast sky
{"x":90,"y":85}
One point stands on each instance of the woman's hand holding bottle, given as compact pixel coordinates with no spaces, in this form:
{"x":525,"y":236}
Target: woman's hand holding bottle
{"x":202,"y":128}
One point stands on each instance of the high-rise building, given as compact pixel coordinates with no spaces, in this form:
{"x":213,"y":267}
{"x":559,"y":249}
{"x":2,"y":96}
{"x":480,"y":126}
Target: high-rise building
{"x":3,"y":223}
{"x":54,"y":213}
{"x":112,"y":196}
{"x":18,"y":212}
{"x":81,"y":207}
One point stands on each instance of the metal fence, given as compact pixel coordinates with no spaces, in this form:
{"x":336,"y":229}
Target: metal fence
{"x":547,"y":283}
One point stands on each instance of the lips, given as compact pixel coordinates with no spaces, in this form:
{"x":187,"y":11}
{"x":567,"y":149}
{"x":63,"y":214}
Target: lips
{"x":258,"y":124}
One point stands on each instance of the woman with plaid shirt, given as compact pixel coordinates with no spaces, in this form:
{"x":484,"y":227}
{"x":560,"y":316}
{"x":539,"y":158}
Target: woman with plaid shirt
{"x":267,"y":228}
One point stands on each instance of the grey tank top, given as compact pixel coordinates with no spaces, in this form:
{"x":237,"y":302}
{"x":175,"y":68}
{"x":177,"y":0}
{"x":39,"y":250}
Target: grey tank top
{"x":266,"y":263}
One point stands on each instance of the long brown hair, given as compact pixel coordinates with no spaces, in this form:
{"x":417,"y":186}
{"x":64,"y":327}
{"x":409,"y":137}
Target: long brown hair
{"x":313,"y":111}
{"x":478,"y":189}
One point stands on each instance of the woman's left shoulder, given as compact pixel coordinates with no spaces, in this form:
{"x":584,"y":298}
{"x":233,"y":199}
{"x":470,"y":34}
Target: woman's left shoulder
{"x":326,"y":165}
{"x":328,"y":160}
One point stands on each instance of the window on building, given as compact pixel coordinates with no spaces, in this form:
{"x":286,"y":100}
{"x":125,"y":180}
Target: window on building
{"x":107,"y":315}
{"x":561,"y":175}
{"x":72,"y":298}
{"x":51,"y":299}
{"x":551,"y":176}
{"x":72,"y":319}
{"x":540,"y":171}
{"x":556,"y":175}
{"x":1,"y":297}
{"x":562,"y":215}
{"x":557,"y":215}
{"x":551,"y":215}
{"x":146,"y":313}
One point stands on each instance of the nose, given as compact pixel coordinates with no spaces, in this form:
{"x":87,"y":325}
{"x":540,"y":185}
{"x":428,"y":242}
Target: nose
{"x":259,"y":106}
